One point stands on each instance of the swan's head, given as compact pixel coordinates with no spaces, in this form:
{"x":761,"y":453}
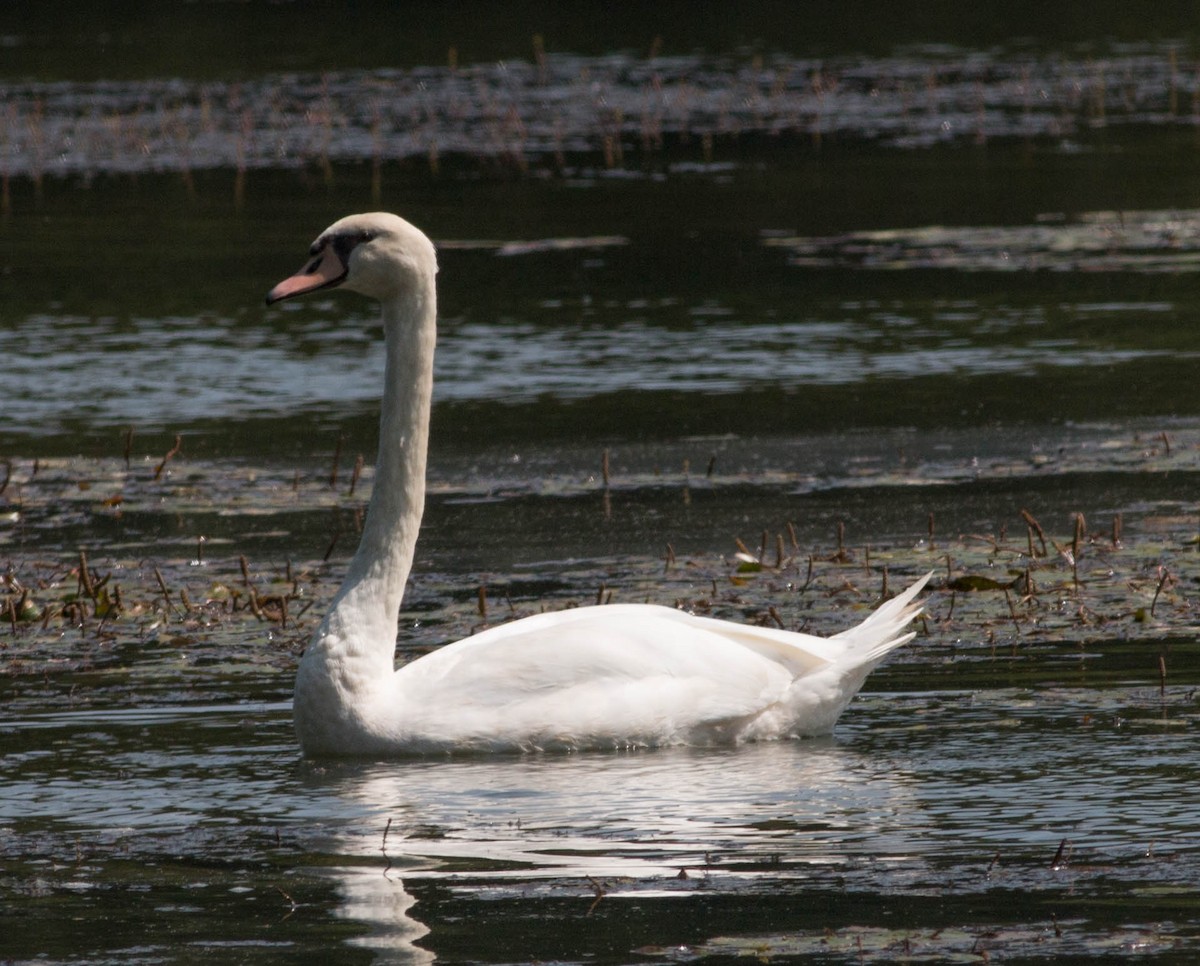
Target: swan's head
{"x":376,"y":254}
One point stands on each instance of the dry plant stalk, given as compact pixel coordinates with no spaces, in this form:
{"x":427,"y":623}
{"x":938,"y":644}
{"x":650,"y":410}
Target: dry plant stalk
{"x":1034,"y":527}
{"x":171,"y":454}
{"x":1162,"y":582}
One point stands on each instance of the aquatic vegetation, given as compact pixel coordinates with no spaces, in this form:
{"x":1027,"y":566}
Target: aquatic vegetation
{"x":1020,"y":591}
{"x":619,"y":108}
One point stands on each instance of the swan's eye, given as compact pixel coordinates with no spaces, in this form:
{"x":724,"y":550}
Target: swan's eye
{"x":343,"y":245}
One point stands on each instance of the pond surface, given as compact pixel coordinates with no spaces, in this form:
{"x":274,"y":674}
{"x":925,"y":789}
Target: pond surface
{"x":832,"y":315}
{"x":931,"y":822}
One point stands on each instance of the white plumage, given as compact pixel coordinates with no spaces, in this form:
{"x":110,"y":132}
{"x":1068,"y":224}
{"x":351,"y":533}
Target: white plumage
{"x":617,"y":676}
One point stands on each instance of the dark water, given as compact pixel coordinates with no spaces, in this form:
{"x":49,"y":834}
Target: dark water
{"x":859,"y":303}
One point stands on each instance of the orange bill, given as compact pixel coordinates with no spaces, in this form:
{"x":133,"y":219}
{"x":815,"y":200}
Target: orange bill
{"x":324,"y":270}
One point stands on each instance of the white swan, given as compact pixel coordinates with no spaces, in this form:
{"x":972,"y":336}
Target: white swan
{"x":613,"y":676}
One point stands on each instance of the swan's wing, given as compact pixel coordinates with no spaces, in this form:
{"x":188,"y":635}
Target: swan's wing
{"x":637,"y":674}
{"x":573,"y":648}
{"x":570,"y":676}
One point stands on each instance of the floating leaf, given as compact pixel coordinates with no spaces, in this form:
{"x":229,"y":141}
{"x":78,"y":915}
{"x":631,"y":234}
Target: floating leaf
{"x":107,"y":604}
{"x":27,"y":610}
{"x":973,"y":582}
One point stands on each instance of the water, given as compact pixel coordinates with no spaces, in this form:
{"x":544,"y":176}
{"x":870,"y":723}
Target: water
{"x":869,"y":307}
{"x":200,"y":823}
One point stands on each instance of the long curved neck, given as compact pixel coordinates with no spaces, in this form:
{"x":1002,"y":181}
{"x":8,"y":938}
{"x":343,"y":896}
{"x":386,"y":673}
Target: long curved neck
{"x":361,"y":624}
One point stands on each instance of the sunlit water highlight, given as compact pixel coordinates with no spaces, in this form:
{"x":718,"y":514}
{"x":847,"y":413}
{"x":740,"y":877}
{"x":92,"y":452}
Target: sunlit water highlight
{"x":162,"y":373}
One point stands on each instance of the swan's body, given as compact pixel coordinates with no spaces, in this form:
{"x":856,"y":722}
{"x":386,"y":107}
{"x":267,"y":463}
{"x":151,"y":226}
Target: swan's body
{"x":593,"y":677}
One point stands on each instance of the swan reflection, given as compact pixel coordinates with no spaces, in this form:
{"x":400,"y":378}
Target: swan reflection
{"x":381,"y":902}
{"x":777,"y":809}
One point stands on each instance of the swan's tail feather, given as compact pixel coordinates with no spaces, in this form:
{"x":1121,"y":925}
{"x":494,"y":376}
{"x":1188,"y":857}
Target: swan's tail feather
{"x":882,"y":631}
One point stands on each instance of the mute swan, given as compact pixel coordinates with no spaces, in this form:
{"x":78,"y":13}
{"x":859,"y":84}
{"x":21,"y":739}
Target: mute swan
{"x":614,"y":676}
